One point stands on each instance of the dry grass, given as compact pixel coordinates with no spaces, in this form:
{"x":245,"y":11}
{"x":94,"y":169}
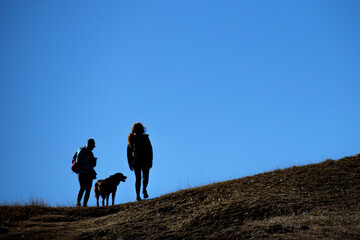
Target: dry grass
{"x":30,"y":202}
{"x":319,"y":201}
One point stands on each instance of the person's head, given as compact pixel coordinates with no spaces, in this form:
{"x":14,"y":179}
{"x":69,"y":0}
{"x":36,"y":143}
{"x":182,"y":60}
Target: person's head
{"x":90,"y":144}
{"x":138,"y":128}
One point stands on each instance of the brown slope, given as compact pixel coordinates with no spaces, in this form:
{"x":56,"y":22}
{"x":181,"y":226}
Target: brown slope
{"x":319,"y":201}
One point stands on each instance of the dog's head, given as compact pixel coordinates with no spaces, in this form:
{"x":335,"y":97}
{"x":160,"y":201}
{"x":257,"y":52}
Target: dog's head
{"x":118,"y":177}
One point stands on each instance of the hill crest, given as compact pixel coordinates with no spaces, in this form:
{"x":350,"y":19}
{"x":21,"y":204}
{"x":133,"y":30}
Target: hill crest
{"x":317,"y":201}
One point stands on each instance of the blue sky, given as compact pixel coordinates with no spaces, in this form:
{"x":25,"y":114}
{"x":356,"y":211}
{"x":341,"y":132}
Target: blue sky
{"x":227,"y":89}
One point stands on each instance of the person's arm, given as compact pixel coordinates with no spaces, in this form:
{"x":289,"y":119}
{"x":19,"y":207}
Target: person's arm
{"x":150,"y":154}
{"x":130,"y":157}
{"x":92,"y":159}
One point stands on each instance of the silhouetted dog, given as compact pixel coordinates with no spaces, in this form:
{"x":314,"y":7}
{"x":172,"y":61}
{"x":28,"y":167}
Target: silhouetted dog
{"x":109,"y":185}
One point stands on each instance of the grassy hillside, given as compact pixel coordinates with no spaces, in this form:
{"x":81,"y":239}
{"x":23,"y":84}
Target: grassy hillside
{"x":319,"y":201}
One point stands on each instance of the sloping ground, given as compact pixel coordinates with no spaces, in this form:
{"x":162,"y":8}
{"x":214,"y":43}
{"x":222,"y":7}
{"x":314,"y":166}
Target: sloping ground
{"x":319,"y":201}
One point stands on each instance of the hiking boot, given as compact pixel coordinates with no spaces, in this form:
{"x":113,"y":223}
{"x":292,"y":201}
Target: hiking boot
{"x":145,"y":194}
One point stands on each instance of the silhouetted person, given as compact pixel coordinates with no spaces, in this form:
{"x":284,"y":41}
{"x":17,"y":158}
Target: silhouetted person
{"x":87,"y":162}
{"x":140,"y":157}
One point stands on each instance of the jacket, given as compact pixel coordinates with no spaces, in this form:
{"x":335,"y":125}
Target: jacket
{"x":139,"y":151}
{"x":86,"y":161}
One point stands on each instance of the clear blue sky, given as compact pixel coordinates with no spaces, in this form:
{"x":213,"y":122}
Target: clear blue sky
{"x":227,"y":89}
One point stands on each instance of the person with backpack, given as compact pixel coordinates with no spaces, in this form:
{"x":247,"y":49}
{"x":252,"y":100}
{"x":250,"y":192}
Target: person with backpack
{"x":86,"y":162}
{"x":140,"y":157}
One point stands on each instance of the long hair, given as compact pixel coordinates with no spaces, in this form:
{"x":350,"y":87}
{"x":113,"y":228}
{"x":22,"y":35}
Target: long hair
{"x":137,"y":128}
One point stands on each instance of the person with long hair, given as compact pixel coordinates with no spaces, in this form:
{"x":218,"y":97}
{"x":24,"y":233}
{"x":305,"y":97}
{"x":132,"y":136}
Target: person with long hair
{"x":140,"y":157}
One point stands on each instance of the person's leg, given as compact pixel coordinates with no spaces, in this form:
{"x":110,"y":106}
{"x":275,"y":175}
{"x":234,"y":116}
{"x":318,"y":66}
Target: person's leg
{"x":137,"y":182}
{"x":82,"y":189}
{"x":87,"y":190}
{"x":145,"y":181}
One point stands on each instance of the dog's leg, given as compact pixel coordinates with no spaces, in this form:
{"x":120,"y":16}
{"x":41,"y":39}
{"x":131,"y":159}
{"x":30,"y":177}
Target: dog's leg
{"x":96,"y":195}
{"x":113,"y":197}
{"x":107,"y":199}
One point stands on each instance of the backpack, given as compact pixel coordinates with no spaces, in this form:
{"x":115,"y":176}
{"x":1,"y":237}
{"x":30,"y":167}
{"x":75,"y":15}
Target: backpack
{"x":75,"y":166}
{"x":140,"y":147}
{"x":137,"y":147}
{"x":134,"y":153}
